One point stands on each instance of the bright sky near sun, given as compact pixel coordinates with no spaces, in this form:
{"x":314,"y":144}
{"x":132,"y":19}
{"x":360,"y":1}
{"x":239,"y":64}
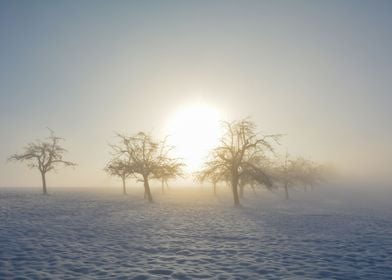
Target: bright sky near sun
{"x":194,"y":130}
{"x":316,"y":71}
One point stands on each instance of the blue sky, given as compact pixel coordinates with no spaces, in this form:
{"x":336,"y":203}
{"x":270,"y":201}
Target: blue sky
{"x":317,"y":71}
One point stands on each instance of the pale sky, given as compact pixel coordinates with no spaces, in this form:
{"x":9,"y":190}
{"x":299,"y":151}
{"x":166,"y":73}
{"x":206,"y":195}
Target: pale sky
{"x":317,"y":71}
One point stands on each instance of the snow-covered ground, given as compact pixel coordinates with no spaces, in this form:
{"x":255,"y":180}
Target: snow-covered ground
{"x":189,"y":234}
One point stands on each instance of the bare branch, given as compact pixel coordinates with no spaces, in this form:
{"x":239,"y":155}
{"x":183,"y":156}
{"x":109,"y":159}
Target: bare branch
{"x":240,"y":155}
{"x":142,"y":157}
{"x":43,"y":155}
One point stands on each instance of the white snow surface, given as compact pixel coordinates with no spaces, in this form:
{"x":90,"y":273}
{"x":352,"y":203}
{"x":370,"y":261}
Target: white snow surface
{"x":190,"y":234}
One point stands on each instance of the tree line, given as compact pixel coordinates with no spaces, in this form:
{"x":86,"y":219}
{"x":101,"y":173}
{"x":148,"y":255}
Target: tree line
{"x":243,"y":158}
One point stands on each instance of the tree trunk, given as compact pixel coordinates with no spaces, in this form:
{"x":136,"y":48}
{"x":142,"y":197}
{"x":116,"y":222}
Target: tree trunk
{"x":242,"y":191}
{"x":44,"y":191}
{"x":234,"y":186}
{"x":124,"y":187}
{"x":147,"y":191}
{"x":163,"y":186}
{"x":286,"y":189}
{"x":253,"y":188}
{"x":215,"y":189}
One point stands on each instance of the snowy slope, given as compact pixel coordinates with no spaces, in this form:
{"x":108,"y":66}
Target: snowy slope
{"x":75,"y":234}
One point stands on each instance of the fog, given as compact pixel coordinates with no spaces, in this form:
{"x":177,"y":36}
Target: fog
{"x":317,"y":72}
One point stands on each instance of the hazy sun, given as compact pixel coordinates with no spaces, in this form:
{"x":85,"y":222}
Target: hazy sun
{"x":194,"y":130}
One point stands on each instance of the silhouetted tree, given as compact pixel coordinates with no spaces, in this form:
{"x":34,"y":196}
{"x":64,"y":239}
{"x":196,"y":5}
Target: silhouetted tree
{"x":286,"y":174}
{"x":43,"y":155}
{"x":171,"y":168}
{"x":306,"y":172}
{"x":213,"y":175}
{"x":240,"y":150}
{"x":120,"y":168}
{"x":258,"y":171}
{"x":246,"y":181}
{"x":299,"y":172}
{"x":147,"y":159}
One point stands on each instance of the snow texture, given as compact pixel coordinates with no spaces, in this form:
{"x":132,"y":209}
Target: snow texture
{"x":74,"y":234}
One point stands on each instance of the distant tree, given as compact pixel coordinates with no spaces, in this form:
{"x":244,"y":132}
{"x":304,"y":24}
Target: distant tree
{"x":299,"y":172}
{"x":306,"y":173}
{"x":213,"y":175}
{"x":286,"y":174}
{"x":246,"y":181}
{"x":43,"y":155}
{"x":258,"y":172}
{"x":119,"y":168}
{"x":147,"y":159}
{"x":171,"y":168}
{"x":238,"y":153}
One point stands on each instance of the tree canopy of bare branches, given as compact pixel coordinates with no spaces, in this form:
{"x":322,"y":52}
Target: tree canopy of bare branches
{"x":147,"y":159}
{"x":305,"y":172}
{"x":119,"y":167}
{"x":171,"y":169}
{"x":241,"y":153}
{"x":43,"y":155}
{"x":213,"y":176}
{"x":299,"y":172}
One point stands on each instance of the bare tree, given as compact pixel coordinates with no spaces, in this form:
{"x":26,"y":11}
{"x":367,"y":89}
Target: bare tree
{"x":213,"y":175}
{"x":43,"y":155}
{"x":172,"y":169}
{"x":119,"y":168}
{"x":306,"y":173}
{"x":240,"y":150}
{"x":147,"y":159}
{"x":244,"y":181}
{"x":286,"y":174}
{"x":299,"y":172}
{"x":257,"y":171}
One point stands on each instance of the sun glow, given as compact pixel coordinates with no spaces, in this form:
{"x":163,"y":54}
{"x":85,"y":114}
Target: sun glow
{"x":194,"y":130}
